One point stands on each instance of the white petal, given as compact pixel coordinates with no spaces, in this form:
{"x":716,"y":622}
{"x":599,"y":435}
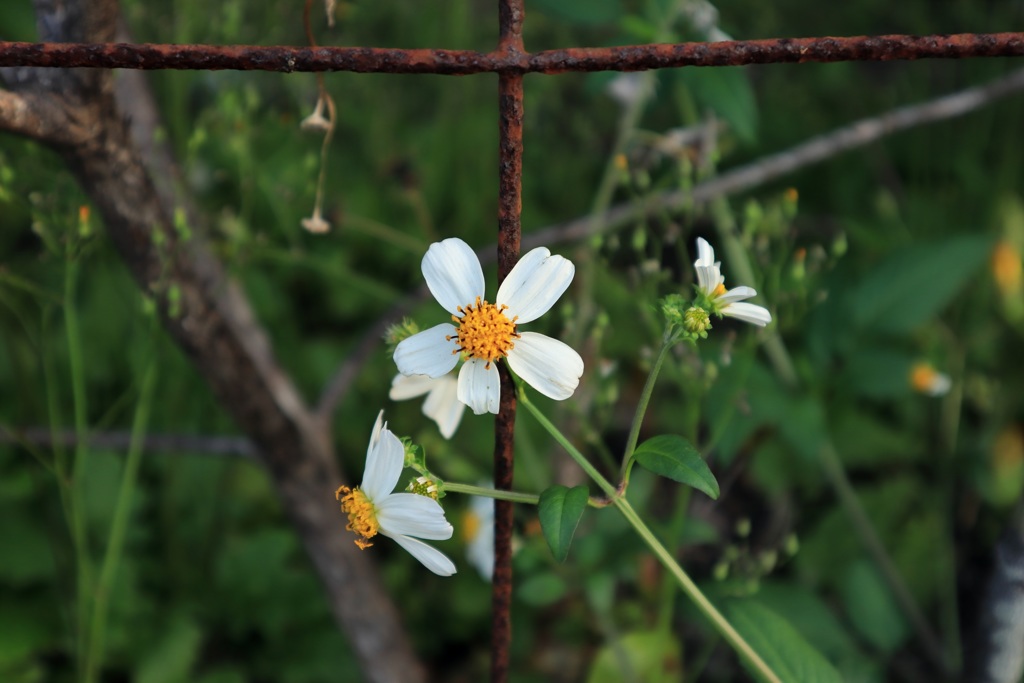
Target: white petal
{"x":939,"y":385}
{"x":375,"y":433}
{"x":428,"y":352}
{"x":480,"y":549}
{"x":432,"y":558}
{"x":384,"y":464}
{"x":705,"y":253}
{"x":410,"y":514}
{"x":479,"y":386}
{"x":548,"y":365}
{"x":535,"y":284}
{"x":748,"y":313}
{"x":480,"y":553}
{"x":737,"y":294}
{"x":453,"y":274}
{"x":404,"y":387}
{"x":708,"y":277}
{"x":709,"y":272}
{"x":443,"y":405}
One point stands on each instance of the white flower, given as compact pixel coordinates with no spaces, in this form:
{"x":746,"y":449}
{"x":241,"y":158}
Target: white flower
{"x":929,"y":381}
{"x":726,"y":302}
{"x":478,"y":530}
{"x":372,"y":508}
{"x":631,"y":87}
{"x":486,"y":332}
{"x":442,"y":405}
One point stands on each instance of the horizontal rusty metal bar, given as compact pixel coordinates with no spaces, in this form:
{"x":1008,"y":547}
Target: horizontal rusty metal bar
{"x":464,"y":62}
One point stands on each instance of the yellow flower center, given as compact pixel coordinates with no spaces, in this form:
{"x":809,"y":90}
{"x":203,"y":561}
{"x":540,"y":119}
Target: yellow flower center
{"x":923,"y":377}
{"x":470,"y":526}
{"x":361,"y":516}
{"x":1006,"y":267}
{"x":485,"y":332}
{"x":719,"y":290}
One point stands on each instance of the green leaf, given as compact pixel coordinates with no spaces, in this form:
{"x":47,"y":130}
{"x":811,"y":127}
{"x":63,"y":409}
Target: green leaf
{"x":727,"y":91}
{"x":674,"y":457}
{"x":173,"y":656}
{"x":541,"y":590}
{"x":872,"y":608}
{"x":779,"y":644}
{"x":560,"y":512}
{"x":650,"y":656}
{"x":914,"y":284}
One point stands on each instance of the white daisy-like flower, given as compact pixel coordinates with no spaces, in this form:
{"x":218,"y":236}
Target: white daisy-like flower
{"x":927,"y":380}
{"x":478,"y":532}
{"x":442,"y":404}
{"x":373,"y":508}
{"x":486,"y":332}
{"x":726,"y":302}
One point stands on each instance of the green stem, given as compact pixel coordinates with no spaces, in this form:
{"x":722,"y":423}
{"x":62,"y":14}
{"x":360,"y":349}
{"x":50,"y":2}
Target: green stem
{"x":641,"y":409}
{"x":829,"y":457}
{"x":81,"y":461}
{"x":514,"y":496}
{"x":717,"y":619}
{"x":122,"y":514}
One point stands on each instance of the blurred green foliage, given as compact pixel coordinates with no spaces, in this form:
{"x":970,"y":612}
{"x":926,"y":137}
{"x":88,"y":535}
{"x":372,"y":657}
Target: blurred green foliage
{"x":885,"y":263}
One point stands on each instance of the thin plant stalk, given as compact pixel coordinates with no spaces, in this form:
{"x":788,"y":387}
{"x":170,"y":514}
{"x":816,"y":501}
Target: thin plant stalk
{"x":119,"y":527}
{"x":831,"y":464}
{"x":80,"y":465}
{"x":717,"y":619}
{"x":641,"y":408}
{"x":497,"y":494}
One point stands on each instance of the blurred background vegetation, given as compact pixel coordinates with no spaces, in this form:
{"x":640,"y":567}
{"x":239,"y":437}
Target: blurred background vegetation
{"x":880,"y":259}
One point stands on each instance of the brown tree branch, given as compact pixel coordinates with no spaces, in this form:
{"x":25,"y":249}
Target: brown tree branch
{"x":43,"y":437}
{"x":774,"y":166}
{"x":211,"y":320}
{"x":764,"y":170}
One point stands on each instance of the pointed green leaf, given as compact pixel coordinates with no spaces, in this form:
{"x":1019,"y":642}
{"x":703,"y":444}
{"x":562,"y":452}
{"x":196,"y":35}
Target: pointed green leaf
{"x":727,"y":91}
{"x":672,"y":456}
{"x":560,"y":510}
{"x":780,"y":645}
{"x":914,"y":284}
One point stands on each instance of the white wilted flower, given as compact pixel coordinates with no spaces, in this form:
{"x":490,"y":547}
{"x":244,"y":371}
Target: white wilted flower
{"x":927,"y":380}
{"x":442,"y":404}
{"x":726,"y":302}
{"x":478,"y":531}
{"x":487,"y":333}
{"x":373,"y":508}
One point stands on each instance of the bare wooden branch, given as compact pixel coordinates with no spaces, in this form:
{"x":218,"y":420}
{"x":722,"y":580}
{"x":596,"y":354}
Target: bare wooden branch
{"x":43,"y":437}
{"x":774,"y":166}
{"x":764,"y":170}
{"x":212,"y":321}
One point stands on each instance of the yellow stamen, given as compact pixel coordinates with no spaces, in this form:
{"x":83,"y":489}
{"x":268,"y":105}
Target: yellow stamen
{"x":361,"y":517}
{"x":1006,"y":267}
{"x":485,"y":332}
{"x":470,"y":526}
{"x":719,"y":290}
{"x":924,"y":378}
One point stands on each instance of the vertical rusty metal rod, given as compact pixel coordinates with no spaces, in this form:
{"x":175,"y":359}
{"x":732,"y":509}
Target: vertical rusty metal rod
{"x":510,"y":201}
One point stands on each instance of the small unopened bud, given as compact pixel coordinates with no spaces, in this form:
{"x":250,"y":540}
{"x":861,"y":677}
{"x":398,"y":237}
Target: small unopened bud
{"x":316,"y":121}
{"x":399,"y":332}
{"x":316,"y":224}
{"x":696,"y":321}
{"x":423,"y":486}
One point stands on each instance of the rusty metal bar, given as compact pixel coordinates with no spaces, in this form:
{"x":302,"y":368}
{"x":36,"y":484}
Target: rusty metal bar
{"x":510,"y":203}
{"x":464,"y":62}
